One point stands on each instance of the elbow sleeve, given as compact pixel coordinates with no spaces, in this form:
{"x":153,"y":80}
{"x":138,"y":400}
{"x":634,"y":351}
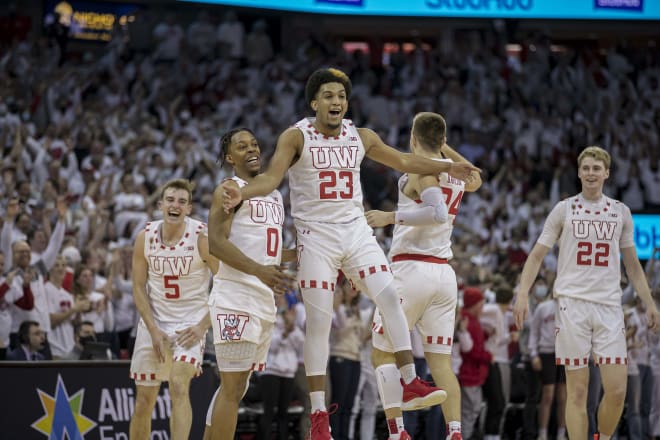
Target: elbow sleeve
{"x":433,"y":197}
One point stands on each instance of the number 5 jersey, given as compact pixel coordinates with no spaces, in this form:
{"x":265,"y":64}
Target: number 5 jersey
{"x":178,"y":278}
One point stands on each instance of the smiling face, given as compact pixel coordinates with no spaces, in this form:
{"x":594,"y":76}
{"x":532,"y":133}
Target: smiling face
{"x":175,"y":205}
{"x":244,"y":154}
{"x":330,"y":105}
{"x":592,"y":173}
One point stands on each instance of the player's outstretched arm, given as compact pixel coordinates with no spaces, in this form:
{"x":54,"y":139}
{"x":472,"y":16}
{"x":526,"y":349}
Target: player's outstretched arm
{"x":473,"y":181}
{"x":288,"y":146}
{"x":140,"y":271}
{"x":527,"y":278}
{"x":377,"y":150}
{"x":638,"y":279}
{"x":203,"y":246}
{"x":224,"y":250}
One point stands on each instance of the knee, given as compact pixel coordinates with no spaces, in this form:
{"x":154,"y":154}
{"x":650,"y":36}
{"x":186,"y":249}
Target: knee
{"x":616,"y":393}
{"x":144,"y":403}
{"x":179,"y":387}
{"x":232,"y":391}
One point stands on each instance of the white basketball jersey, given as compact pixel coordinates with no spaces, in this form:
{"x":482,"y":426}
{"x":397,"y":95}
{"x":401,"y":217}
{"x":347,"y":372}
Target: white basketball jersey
{"x":178,"y":279}
{"x":256,"y":230}
{"x":432,"y":240}
{"x":590,"y":238}
{"x":325,"y":181}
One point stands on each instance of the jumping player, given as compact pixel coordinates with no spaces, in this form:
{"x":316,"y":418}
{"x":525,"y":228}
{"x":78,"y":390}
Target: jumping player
{"x":420,"y":252}
{"x":323,"y":156}
{"x":593,"y":232}
{"x":248,"y":241}
{"x":171,"y":280}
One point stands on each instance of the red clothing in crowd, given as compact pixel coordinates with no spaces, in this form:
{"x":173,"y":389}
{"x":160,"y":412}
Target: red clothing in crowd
{"x":474,"y":369}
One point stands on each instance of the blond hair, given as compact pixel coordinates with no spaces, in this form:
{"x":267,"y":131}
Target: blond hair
{"x":183,"y":184}
{"x":596,"y":153}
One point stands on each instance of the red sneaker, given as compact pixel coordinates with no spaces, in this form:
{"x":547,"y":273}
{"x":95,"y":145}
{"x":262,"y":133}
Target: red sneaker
{"x":419,"y":394}
{"x":320,"y":426}
{"x":455,"y":436}
{"x":404,"y":435}
{"x":596,"y":436}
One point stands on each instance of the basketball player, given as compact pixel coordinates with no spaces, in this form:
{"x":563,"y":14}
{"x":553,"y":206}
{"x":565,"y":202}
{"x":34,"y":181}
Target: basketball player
{"x":242,"y":306}
{"x":171,"y":281}
{"x":593,"y":231}
{"x":420,"y":251}
{"x":323,"y":156}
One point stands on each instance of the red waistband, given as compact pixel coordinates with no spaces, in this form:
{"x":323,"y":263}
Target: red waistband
{"x":419,"y":257}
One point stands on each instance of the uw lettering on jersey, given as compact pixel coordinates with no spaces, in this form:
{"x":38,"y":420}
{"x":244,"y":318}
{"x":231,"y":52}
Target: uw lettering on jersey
{"x":325,"y":181}
{"x":590,"y":238}
{"x":178,"y":278}
{"x":434,"y":240}
{"x":256,"y":230}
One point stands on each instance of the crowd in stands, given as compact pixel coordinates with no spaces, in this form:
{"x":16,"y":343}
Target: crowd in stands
{"x":87,"y":138}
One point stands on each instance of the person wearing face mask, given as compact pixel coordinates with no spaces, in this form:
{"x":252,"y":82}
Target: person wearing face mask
{"x":83,"y":334}
{"x":542,"y":355}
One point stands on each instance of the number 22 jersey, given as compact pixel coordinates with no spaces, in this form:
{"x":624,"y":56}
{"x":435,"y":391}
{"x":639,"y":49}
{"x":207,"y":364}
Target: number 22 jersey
{"x":590,"y":236}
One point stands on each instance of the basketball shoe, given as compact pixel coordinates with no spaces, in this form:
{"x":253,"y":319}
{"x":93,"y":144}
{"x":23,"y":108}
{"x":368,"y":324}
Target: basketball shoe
{"x":455,"y":436}
{"x":320,"y":424}
{"x":419,"y":394}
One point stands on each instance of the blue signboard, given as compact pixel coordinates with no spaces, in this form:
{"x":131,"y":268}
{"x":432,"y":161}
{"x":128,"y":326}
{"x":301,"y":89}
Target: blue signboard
{"x":647,"y":234}
{"x":549,"y":9}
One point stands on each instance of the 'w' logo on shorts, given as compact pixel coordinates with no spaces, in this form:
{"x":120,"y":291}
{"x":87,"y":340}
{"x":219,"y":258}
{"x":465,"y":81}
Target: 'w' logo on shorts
{"x":232,"y":326}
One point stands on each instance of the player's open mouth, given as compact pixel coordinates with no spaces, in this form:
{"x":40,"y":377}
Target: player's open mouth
{"x":174,"y":214}
{"x":335,"y":112}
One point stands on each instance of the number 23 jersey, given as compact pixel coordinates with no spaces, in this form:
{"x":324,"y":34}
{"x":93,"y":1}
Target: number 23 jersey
{"x":178,"y":278}
{"x":590,"y":236}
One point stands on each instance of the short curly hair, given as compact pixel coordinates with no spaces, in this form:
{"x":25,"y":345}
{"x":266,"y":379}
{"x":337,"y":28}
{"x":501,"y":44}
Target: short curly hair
{"x":323,"y":76}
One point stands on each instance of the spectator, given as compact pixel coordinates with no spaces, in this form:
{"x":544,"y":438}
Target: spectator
{"x":99,"y":311}
{"x":31,"y":343}
{"x":11,"y":292}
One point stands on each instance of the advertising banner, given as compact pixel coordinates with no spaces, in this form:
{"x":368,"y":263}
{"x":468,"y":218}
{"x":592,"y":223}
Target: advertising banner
{"x":647,"y":234}
{"x":545,"y":9}
{"x":85,"y":401}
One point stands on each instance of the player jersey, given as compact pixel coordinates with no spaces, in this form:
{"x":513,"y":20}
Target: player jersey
{"x":325,"y":181}
{"x":590,"y":236}
{"x":178,"y":278}
{"x":256,"y":230}
{"x":432,"y":240}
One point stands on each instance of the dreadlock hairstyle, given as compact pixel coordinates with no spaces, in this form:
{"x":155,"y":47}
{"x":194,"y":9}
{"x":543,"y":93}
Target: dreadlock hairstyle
{"x":225,"y":142}
{"x":323,"y":76}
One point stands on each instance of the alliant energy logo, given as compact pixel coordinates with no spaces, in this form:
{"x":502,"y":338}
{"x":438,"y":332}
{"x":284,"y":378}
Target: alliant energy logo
{"x":63,"y":418}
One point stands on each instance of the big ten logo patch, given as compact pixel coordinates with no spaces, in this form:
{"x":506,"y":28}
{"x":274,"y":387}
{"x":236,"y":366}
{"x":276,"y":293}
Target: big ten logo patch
{"x":232,"y":326}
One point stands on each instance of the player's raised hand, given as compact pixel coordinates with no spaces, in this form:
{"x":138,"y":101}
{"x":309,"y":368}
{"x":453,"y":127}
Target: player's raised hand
{"x":520,"y":310}
{"x":378,"y":219}
{"x":462,"y":170}
{"x":231,"y":195}
{"x":275,"y":278}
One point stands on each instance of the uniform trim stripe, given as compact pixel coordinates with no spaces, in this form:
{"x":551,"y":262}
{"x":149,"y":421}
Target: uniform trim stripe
{"x":419,"y":257}
{"x":316,"y":284}
{"x":373,"y":269}
{"x":439,"y":340}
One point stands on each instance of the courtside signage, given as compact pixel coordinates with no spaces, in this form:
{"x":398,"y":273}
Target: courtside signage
{"x":647,"y":234}
{"x":547,"y":9}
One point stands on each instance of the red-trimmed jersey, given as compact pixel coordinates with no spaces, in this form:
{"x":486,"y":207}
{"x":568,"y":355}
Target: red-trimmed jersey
{"x":256,"y":230}
{"x":178,"y":279}
{"x":590,"y":236}
{"x":433,"y":240}
{"x":325,"y":180}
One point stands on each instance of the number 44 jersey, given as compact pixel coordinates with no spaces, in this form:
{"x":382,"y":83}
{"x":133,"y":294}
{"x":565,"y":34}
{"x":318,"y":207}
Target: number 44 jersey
{"x":178,"y":278}
{"x":435,"y":239}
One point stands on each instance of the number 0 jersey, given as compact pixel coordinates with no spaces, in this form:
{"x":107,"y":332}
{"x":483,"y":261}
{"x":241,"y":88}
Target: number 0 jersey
{"x":256,"y":230}
{"x":432,"y":240}
{"x":590,"y":236}
{"x":325,"y":180}
{"x":178,"y":278}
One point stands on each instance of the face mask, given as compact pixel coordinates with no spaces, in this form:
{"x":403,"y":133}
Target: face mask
{"x":85,"y":339}
{"x":540,"y":291}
